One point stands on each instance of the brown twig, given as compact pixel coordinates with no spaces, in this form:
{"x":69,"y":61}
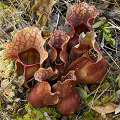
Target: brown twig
{"x":117,"y":4}
{"x":5,"y":34}
{"x":6,"y":97}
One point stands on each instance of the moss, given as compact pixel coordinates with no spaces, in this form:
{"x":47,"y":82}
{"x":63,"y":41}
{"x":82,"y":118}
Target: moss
{"x":19,"y":118}
{"x":97,"y":103}
{"x":39,"y":113}
{"x":6,"y":66}
{"x":27,"y":106}
{"x":89,"y":114}
{"x":105,"y":99}
{"x":89,"y":99}
{"x":27,"y":117}
{"x":112,"y":78}
{"x":74,"y":116}
{"x":93,"y":87}
{"x":104,"y":86}
{"x":15,"y":74}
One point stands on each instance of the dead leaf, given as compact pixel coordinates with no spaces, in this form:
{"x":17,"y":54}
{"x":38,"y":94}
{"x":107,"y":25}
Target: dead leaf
{"x":43,"y":8}
{"x":107,"y":108}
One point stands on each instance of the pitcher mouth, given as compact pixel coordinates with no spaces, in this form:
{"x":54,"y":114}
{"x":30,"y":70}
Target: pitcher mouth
{"x":29,"y":57}
{"x":81,"y":28}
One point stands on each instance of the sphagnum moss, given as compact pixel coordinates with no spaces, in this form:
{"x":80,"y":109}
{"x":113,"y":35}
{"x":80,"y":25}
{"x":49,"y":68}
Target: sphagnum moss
{"x":39,"y":113}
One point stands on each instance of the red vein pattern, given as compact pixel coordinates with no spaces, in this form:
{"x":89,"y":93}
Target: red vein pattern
{"x":58,"y":42}
{"x":29,"y":37}
{"x":81,"y":18}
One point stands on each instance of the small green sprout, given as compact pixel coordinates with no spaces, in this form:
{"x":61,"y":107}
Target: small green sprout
{"x":82,"y":91}
{"x":100,"y":26}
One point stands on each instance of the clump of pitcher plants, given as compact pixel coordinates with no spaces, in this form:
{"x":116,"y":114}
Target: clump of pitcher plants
{"x":70,"y":60}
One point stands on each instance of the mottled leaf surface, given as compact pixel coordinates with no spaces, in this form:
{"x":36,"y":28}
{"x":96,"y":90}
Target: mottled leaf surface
{"x":81,"y":18}
{"x":43,"y":74}
{"x":29,"y":37}
{"x":58,"y":42}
